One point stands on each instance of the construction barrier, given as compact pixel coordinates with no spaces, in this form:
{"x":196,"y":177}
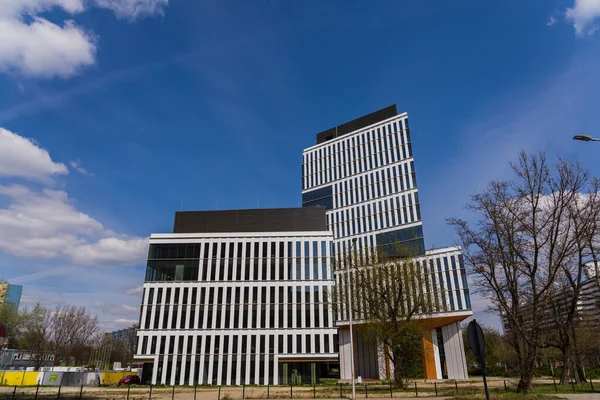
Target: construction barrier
{"x":18,"y":378}
{"x":113,"y":377}
{"x":58,"y":378}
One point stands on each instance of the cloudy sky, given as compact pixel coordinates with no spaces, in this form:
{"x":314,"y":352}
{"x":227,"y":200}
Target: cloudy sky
{"x":114,"y":114}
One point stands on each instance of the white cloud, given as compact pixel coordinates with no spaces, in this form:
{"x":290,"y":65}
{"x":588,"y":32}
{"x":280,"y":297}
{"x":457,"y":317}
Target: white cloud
{"x":42,"y":224}
{"x":111,"y":251}
{"x":123,"y":321}
{"x":115,"y":309}
{"x":22,"y":157}
{"x":76,"y":165}
{"x":134,"y":291}
{"x":132,"y":9}
{"x":45,"y":224}
{"x":583,"y":15}
{"x":45,"y":49}
{"x":35,"y":46}
{"x":93,"y":288}
{"x":551,"y":21}
{"x":14,"y":8}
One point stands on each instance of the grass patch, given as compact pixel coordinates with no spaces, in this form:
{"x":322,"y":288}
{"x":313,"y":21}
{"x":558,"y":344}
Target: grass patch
{"x":506,"y":396}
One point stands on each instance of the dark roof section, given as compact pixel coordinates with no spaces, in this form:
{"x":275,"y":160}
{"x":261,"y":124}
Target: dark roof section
{"x":257,"y":220}
{"x":358,"y":123}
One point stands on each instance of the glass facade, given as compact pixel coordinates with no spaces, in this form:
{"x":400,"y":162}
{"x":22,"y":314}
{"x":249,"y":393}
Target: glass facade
{"x":366,"y":181}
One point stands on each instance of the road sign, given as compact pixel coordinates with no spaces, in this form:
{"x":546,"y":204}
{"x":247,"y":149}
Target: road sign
{"x":475,"y":337}
{"x":477,"y":343}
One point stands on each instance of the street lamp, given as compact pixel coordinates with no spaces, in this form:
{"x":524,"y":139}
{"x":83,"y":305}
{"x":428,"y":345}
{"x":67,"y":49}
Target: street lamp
{"x":350,"y":318}
{"x":586,"y":138}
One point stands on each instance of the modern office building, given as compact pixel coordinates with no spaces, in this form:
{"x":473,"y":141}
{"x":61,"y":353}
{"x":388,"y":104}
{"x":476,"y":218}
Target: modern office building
{"x":239,"y":297}
{"x":10,"y":293}
{"x":244,"y":296}
{"x":363,"y":173}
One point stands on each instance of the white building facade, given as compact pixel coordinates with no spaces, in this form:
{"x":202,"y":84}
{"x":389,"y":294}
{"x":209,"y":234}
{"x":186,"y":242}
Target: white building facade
{"x":363,"y":174}
{"x":245,"y":296}
{"x":232,"y":308}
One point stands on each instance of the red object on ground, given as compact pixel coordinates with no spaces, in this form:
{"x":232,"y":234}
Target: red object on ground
{"x":130,"y":380}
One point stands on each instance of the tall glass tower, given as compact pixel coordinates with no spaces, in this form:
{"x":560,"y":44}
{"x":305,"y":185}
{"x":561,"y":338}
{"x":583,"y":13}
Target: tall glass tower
{"x":363,"y":173}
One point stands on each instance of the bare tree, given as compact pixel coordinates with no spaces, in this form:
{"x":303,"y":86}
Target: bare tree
{"x":388,"y":293}
{"x":131,"y":342}
{"x":527,"y":236}
{"x":36,"y":336}
{"x":123,"y":350}
{"x":74,"y":328}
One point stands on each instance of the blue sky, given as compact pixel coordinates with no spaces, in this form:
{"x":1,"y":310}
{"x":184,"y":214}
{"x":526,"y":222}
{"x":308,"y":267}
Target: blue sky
{"x":116,"y":113}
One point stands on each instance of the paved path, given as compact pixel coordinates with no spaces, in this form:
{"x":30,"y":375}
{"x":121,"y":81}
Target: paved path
{"x":587,"y":396}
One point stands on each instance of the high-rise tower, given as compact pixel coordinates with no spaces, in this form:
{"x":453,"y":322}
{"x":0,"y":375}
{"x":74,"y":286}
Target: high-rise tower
{"x":363,"y":173}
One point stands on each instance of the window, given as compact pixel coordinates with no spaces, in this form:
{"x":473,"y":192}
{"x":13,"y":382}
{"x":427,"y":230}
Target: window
{"x":170,"y":270}
{"x":174,"y":318}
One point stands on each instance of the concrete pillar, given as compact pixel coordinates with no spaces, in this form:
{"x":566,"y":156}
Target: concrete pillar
{"x":454,"y":351}
{"x":365,"y":356}
{"x":429,"y":367}
{"x":345,"y":357}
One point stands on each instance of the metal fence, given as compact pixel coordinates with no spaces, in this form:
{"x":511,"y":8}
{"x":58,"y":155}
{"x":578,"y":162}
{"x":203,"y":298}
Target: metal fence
{"x":340,"y":391}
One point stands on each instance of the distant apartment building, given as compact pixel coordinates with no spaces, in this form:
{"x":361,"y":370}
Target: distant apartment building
{"x":239,"y":297}
{"x":587,"y":313}
{"x":123,"y":335}
{"x":363,"y":173}
{"x":10,"y":293}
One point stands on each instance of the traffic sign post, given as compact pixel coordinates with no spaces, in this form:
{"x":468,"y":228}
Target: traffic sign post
{"x":477,"y":343}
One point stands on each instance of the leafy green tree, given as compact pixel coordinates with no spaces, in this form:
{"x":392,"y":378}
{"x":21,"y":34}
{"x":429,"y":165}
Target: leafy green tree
{"x":499,"y":356}
{"x":387,"y":294}
{"x":16,"y":321}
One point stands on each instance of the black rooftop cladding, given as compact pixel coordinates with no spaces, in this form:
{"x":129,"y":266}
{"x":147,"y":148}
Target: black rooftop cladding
{"x":256,"y":220}
{"x":357,"y":123}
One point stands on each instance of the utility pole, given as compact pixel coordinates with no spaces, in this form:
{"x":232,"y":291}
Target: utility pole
{"x":350,"y":310}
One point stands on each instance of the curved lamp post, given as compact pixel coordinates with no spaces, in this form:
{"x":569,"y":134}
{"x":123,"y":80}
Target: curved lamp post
{"x":586,"y":138}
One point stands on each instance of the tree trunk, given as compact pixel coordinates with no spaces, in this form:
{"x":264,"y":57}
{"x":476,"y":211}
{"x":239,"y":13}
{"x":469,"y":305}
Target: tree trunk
{"x":399,"y":379}
{"x":578,"y":369}
{"x":524,"y":385}
{"x":566,"y":370}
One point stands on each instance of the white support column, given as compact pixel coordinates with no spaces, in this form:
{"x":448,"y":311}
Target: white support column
{"x":381,"y":361}
{"x":155,"y":367}
{"x":345,"y":357}
{"x":436,"y":354}
{"x":454,"y":351}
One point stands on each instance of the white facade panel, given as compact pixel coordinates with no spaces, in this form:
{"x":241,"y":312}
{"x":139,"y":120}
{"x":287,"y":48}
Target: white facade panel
{"x":236,"y":306}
